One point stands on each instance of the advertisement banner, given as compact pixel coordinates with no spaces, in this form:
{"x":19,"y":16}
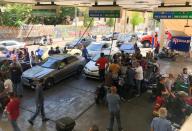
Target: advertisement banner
{"x":180,"y":43}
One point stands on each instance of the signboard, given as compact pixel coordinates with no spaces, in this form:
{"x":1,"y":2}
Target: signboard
{"x":180,"y":43}
{"x":44,"y":10}
{"x":105,"y":12}
{"x":172,"y":15}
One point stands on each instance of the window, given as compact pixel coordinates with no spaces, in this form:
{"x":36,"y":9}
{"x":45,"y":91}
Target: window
{"x":106,"y":45}
{"x":50,"y":63}
{"x":71,"y":59}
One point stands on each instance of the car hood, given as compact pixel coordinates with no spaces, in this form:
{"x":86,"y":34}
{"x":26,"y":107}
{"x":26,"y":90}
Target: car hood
{"x":37,"y":72}
{"x":93,"y":53}
{"x":91,"y":66}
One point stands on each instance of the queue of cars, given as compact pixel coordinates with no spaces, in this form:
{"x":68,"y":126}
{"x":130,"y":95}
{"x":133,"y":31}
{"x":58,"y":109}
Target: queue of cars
{"x":57,"y":67}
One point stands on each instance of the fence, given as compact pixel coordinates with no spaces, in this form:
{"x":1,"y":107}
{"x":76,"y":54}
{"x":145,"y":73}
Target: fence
{"x":59,"y":31}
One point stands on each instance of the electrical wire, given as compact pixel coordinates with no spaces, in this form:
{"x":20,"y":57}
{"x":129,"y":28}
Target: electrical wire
{"x":84,"y":32}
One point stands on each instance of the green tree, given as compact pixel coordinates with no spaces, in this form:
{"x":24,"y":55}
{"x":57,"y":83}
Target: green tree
{"x":110,"y":22}
{"x":67,"y":14}
{"x":87,"y":19}
{"x":136,"y":19}
{"x":16,"y":14}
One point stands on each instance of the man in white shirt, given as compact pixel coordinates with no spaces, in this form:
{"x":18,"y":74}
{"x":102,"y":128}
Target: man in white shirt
{"x":138,"y":77}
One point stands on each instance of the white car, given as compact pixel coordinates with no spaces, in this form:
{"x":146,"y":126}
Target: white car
{"x":98,"y":47}
{"x":91,"y":70}
{"x":12,"y":44}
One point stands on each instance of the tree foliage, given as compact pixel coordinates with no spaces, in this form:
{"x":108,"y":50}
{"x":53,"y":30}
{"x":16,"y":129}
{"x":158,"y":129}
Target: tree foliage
{"x":110,"y":22}
{"x":136,"y":19}
{"x":15,"y":14}
{"x":87,"y":19}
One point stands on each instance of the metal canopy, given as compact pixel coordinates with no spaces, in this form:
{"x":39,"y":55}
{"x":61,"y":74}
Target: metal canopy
{"x":146,"y":5}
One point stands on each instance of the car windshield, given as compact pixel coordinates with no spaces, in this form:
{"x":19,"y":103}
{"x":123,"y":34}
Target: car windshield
{"x":94,"y":47}
{"x":50,"y":63}
{"x":97,"y":57}
{"x":124,"y":37}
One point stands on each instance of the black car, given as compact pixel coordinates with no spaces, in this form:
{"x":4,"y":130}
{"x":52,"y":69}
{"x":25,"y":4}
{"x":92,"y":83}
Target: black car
{"x":110,"y":36}
{"x":53,"y":70}
{"x":78,"y":43}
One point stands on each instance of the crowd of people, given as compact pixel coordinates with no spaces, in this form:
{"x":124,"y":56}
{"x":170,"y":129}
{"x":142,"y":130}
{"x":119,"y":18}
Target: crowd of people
{"x":122,"y":76}
{"x":11,"y":89}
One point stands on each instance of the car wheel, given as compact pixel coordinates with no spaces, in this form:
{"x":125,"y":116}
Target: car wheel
{"x":79,"y":70}
{"x":77,"y":54}
{"x":49,"y":83}
{"x":146,"y":44}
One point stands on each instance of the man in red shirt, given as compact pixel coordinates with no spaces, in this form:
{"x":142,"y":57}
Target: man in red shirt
{"x":102,"y":62}
{"x":12,"y":109}
{"x":169,"y":37}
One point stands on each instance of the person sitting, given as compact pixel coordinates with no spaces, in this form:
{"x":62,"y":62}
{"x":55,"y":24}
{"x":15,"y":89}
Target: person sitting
{"x":65,"y":50}
{"x":51,"y":51}
{"x":57,"y":50}
{"x":184,"y":76}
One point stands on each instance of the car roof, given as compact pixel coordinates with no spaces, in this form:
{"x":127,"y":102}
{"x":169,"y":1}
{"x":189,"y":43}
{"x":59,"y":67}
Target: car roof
{"x":100,"y":42}
{"x":59,"y":57}
{"x":8,"y":41}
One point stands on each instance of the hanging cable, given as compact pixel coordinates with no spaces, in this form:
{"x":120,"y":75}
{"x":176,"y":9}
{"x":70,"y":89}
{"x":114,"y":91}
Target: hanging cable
{"x":112,"y":37}
{"x":84,"y":32}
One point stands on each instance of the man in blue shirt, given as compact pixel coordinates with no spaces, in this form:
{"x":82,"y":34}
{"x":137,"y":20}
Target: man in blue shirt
{"x":39,"y":54}
{"x":161,"y":123}
{"x":85,"y":53}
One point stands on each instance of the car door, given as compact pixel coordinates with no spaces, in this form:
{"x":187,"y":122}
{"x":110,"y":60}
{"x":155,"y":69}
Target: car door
{"x":61,"y":70}
{"x":72,"y":64}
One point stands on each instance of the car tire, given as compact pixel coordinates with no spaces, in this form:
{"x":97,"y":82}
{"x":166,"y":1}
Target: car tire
{"x":146,"y":44}
{"x":77,"y":54}
{"x":49,"y":83}
{"x":79,"y":70}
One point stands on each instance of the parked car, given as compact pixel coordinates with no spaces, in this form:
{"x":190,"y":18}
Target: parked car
{"x":110,"y":36}
{"x":140,"y":34}
{"x":77,"y":43}
{"x":53,"y":70}
{"x":91,"y":70}
{"x":127,"y":48}
{"x":43,"y":41}
{"x":126,"y":38}
{"x":97,"y":47}
{"x":3,"y":51}
{"x":12,"y":44}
